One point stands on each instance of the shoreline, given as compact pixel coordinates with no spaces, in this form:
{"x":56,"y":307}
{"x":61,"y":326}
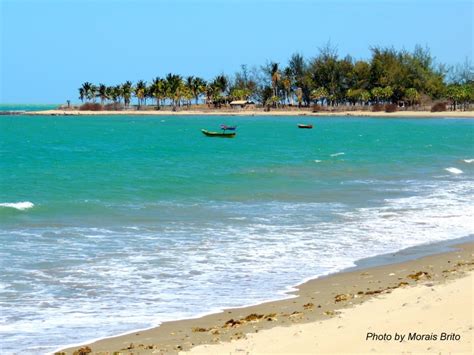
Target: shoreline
{"x":312,"y":301}
{"x":404,"y":322}
{"x":250,"y":113}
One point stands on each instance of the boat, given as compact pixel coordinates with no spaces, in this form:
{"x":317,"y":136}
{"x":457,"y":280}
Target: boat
{"x":228,"y":128}
{"x":218,"y":134}
{"x":302,"y":125}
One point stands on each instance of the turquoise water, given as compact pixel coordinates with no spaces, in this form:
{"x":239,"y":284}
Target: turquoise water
{"x":27,"y":107}
{"x":110,"y":224}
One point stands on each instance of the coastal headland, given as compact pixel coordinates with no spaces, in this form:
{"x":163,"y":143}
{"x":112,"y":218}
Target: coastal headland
{"x":422,"y":305}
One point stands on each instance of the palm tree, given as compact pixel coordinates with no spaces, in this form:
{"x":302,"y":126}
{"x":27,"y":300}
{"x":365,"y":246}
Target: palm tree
{"x":158,"y":90}
{"x":189,"y":88}
{"x":86,"y":90}
{"x":127,"y":92}
{"x":286,"y":82}
{"x":81,"y":94}
{"x":92,"y":93}
{"x":140,"y":92}
{"x":175,"y":88}
{"x":275,"y":76}
{"x":198,"y":87}
{"x":102,"y":93}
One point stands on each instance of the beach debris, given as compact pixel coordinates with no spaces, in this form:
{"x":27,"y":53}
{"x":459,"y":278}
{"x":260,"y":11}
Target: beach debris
{"x":343,"y":297}
{"x":59,"y":353}
{"x":231,"y":323}
{"x":271,"y":317}
{"x":214,"y":331}
{"x":251,"y":318}
{"x":82,"y":351}
{"x":131,"y":346}
{"x":374,"y":292}
{"x":403,"y":283}
{"x":308,"y":305}
{"x":296,"y":315}
{"x":419,"y":275}
{"x":254,"y":317}
{"x":330,"y":313}
{"x":199,"y":330}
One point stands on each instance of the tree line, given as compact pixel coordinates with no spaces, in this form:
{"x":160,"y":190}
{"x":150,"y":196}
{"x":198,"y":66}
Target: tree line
{"x":389,"y":76}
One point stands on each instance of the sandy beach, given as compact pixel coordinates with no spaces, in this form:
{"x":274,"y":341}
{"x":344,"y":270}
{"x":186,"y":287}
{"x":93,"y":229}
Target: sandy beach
{"x":415,"y":320}
{"x":428,"y":301}
{"x":224,"y":112}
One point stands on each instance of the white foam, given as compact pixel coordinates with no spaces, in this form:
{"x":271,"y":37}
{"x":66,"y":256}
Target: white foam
{"x":337,"y":154}
{"x":469,"y":161}
{"x":18,"y":205}
{"x":317,"y":161}
{"x":282,"y":239}
{"x":454,"y":170}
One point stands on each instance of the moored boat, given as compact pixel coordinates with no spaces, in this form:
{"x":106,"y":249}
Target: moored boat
{"x":228,"y":128}
{"x":218,"y":134}
{"x":302,"y":125}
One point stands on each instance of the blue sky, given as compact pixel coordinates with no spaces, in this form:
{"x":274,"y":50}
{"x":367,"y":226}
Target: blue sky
{"x":49,"y":47}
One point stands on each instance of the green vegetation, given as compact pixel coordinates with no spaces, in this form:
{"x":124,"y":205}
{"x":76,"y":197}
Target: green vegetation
{"x":389,"y":77}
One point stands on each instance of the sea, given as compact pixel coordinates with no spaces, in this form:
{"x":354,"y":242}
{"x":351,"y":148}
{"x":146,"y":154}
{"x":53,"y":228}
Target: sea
{"x":111,"y":224}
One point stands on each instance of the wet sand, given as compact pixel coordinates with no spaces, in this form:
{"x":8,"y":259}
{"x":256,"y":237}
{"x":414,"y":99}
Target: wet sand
{"x":431,"y":294}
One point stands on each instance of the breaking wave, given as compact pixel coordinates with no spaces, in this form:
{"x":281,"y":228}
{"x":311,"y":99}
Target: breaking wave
{"x":18,"y":205}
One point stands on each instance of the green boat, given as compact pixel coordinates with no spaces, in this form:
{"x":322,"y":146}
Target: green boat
{"x":218,"y":134}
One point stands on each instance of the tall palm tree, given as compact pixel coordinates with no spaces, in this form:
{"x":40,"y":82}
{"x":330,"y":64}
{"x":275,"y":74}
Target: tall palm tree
{"x":158,"y":90}
{"x":198,"y":87}
{"x":86,"y":90}
{"x":127,"y":93}
{"x":175,"y":88}
{"x":102,"y":93}
{"x":275,"y":76}
{"x":286,"y":82}
{"x":81,"y":94}
{"x":140,"y":92}
{"x":189,"y":88}
{"x":93,"y":93}
{"x":117,"y":92}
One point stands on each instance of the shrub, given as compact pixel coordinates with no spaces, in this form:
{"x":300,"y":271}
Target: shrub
{"x":439,"y":107}
{"x":90,"y":106}
{"x":113,"y":107}
{"x":391,"y":108}
{"x":377,"y":108}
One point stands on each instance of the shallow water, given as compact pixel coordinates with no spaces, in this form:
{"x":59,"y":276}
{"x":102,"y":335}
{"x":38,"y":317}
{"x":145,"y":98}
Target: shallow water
{"x":110,"y":224}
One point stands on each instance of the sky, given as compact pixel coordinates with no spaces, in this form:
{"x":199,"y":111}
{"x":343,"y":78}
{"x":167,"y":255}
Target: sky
{"x":50,"y":47}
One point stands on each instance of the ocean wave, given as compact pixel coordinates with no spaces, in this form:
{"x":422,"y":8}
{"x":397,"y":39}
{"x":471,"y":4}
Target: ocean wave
{"x":18,"y":205}
{"x":454,"y":170}
{"x":469,"y":161}
{"x":337,"y":154}
{"x":173,"y":265}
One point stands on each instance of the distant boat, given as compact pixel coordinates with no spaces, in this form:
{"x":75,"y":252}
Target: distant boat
{"x":302,"y":125}
{"x":218,"y":134}
{"x":228,"y":128}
